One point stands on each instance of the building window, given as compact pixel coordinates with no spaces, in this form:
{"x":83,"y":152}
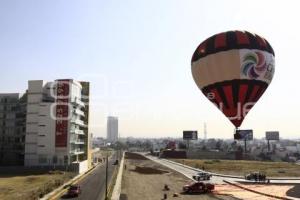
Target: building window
{"x":42,"y":159}
{"x":41,"y":145}
{"x":54,"y":160}
{"x":42,"y":125}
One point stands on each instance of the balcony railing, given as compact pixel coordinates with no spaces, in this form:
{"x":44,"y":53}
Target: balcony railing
{"x":77,"y":141}
{"x":77,"y":101}
{"x":78,"y":112}
{"x":78,"y":122}
{"x":77,"y":151}
{"x":77,"y":131}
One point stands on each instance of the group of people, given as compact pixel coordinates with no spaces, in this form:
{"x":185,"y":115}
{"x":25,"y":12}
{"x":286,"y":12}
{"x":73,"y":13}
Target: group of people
{"x":259,"y":177}
{"x":256,"y":177}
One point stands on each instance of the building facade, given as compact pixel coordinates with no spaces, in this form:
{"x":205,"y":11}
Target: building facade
{"x":12,"y":129}
{"x":112,"y":129}
{"x":57,"y":123}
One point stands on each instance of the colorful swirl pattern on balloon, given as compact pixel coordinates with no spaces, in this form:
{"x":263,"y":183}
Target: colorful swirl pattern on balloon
{"x":254,"y":65}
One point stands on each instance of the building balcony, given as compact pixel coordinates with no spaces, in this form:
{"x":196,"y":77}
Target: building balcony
{"x":77,"y":151}
{"x":77,"y":131}
{"x":78,"y":122}
{"x":78,"y":112}
{"x":77,"y":101}
{"x":78,"y":141}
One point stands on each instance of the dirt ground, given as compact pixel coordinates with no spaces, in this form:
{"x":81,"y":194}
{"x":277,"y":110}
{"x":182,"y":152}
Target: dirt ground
{"x":278,"y":190}
{"x":144,"y":180}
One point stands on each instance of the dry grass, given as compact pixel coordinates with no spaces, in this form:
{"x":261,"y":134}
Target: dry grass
{"x":242,"y":167}
{"x":30,"y":186}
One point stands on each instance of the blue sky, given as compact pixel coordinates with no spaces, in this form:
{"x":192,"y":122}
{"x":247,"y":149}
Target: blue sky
{"x":136,"y":54}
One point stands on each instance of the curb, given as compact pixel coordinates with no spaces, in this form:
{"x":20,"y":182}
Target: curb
{"x":117,"y":189}
{"x":61,"y":189}
{"x":199,"y":170}
{"x":154,"y":160}
{"x":250,"y":190}
{"x":110,"y":185}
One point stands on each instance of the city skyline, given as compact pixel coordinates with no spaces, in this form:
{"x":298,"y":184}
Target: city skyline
{"x":137,"y":58}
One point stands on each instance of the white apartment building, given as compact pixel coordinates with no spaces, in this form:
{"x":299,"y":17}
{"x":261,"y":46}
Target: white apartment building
{"x":57,"y":123}
{"x":112,"y":129}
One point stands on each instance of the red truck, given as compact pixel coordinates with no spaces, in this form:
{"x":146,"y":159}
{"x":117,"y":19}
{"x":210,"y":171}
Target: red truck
{"x":198,"y":187}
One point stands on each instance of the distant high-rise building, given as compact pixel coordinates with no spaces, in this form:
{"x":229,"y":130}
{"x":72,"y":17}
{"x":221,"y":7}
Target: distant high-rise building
{"x":112,"y":129}
{"x":205,"y":132}
{"x":57,"y":123}
{"x":12,"y":128}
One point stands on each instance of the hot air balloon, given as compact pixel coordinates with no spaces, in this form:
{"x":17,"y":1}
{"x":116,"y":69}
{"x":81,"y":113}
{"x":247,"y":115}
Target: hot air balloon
{"x":233,"y":69}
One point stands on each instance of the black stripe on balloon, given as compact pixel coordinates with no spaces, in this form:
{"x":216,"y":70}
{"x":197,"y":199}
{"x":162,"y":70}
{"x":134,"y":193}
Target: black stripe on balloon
{"x":257,"y":95}
{"x":231,"y":40}
{"x":231,"y":43}
{"x":249,"y":83}
{"x":235,"y":81}
{"x":249,"y":91}
{"x":253,"y":41}
{"x":235,"y":93}
{"x":269,"y":48}
{"x":222,"y":95}
{"x":196,"y":56}
{"x":210,"y":45}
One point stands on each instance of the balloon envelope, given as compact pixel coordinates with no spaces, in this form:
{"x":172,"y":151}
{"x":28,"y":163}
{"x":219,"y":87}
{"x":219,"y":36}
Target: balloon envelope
{"x":233,"y":69}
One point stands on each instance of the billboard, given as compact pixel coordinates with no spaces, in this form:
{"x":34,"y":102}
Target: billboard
{"x":190,"y":135}
{"x":62,"y":113}
{"x":272,"y":135}
{"x":243,"y":135}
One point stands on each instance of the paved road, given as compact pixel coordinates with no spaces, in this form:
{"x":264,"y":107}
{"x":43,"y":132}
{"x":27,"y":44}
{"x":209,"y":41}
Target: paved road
{"x":183,"y":170}
{"x":215,"y":179}
{"x":93,"y":186}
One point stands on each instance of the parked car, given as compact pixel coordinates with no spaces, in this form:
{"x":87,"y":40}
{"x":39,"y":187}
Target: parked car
{"x":256,"y":176}
{"x":74,"y":191}
{"x":198,"y":187}
{"x":202,"y":176}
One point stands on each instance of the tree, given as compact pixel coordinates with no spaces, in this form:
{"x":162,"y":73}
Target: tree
{"x":181,"y":145}
{"x":219,"y":144}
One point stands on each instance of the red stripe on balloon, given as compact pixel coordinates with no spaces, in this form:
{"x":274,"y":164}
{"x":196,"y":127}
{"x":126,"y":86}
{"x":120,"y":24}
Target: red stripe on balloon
{"x":242,"y":93}
{"x":242,"y":38}
{"x":228,"y":93}
{"x":202,"y":48}
{"x":252,"y":97}
{"x":220,"y":40}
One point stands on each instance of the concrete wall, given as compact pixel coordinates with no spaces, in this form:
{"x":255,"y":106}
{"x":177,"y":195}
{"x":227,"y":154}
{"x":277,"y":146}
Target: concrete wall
{"x":83,"y":167}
